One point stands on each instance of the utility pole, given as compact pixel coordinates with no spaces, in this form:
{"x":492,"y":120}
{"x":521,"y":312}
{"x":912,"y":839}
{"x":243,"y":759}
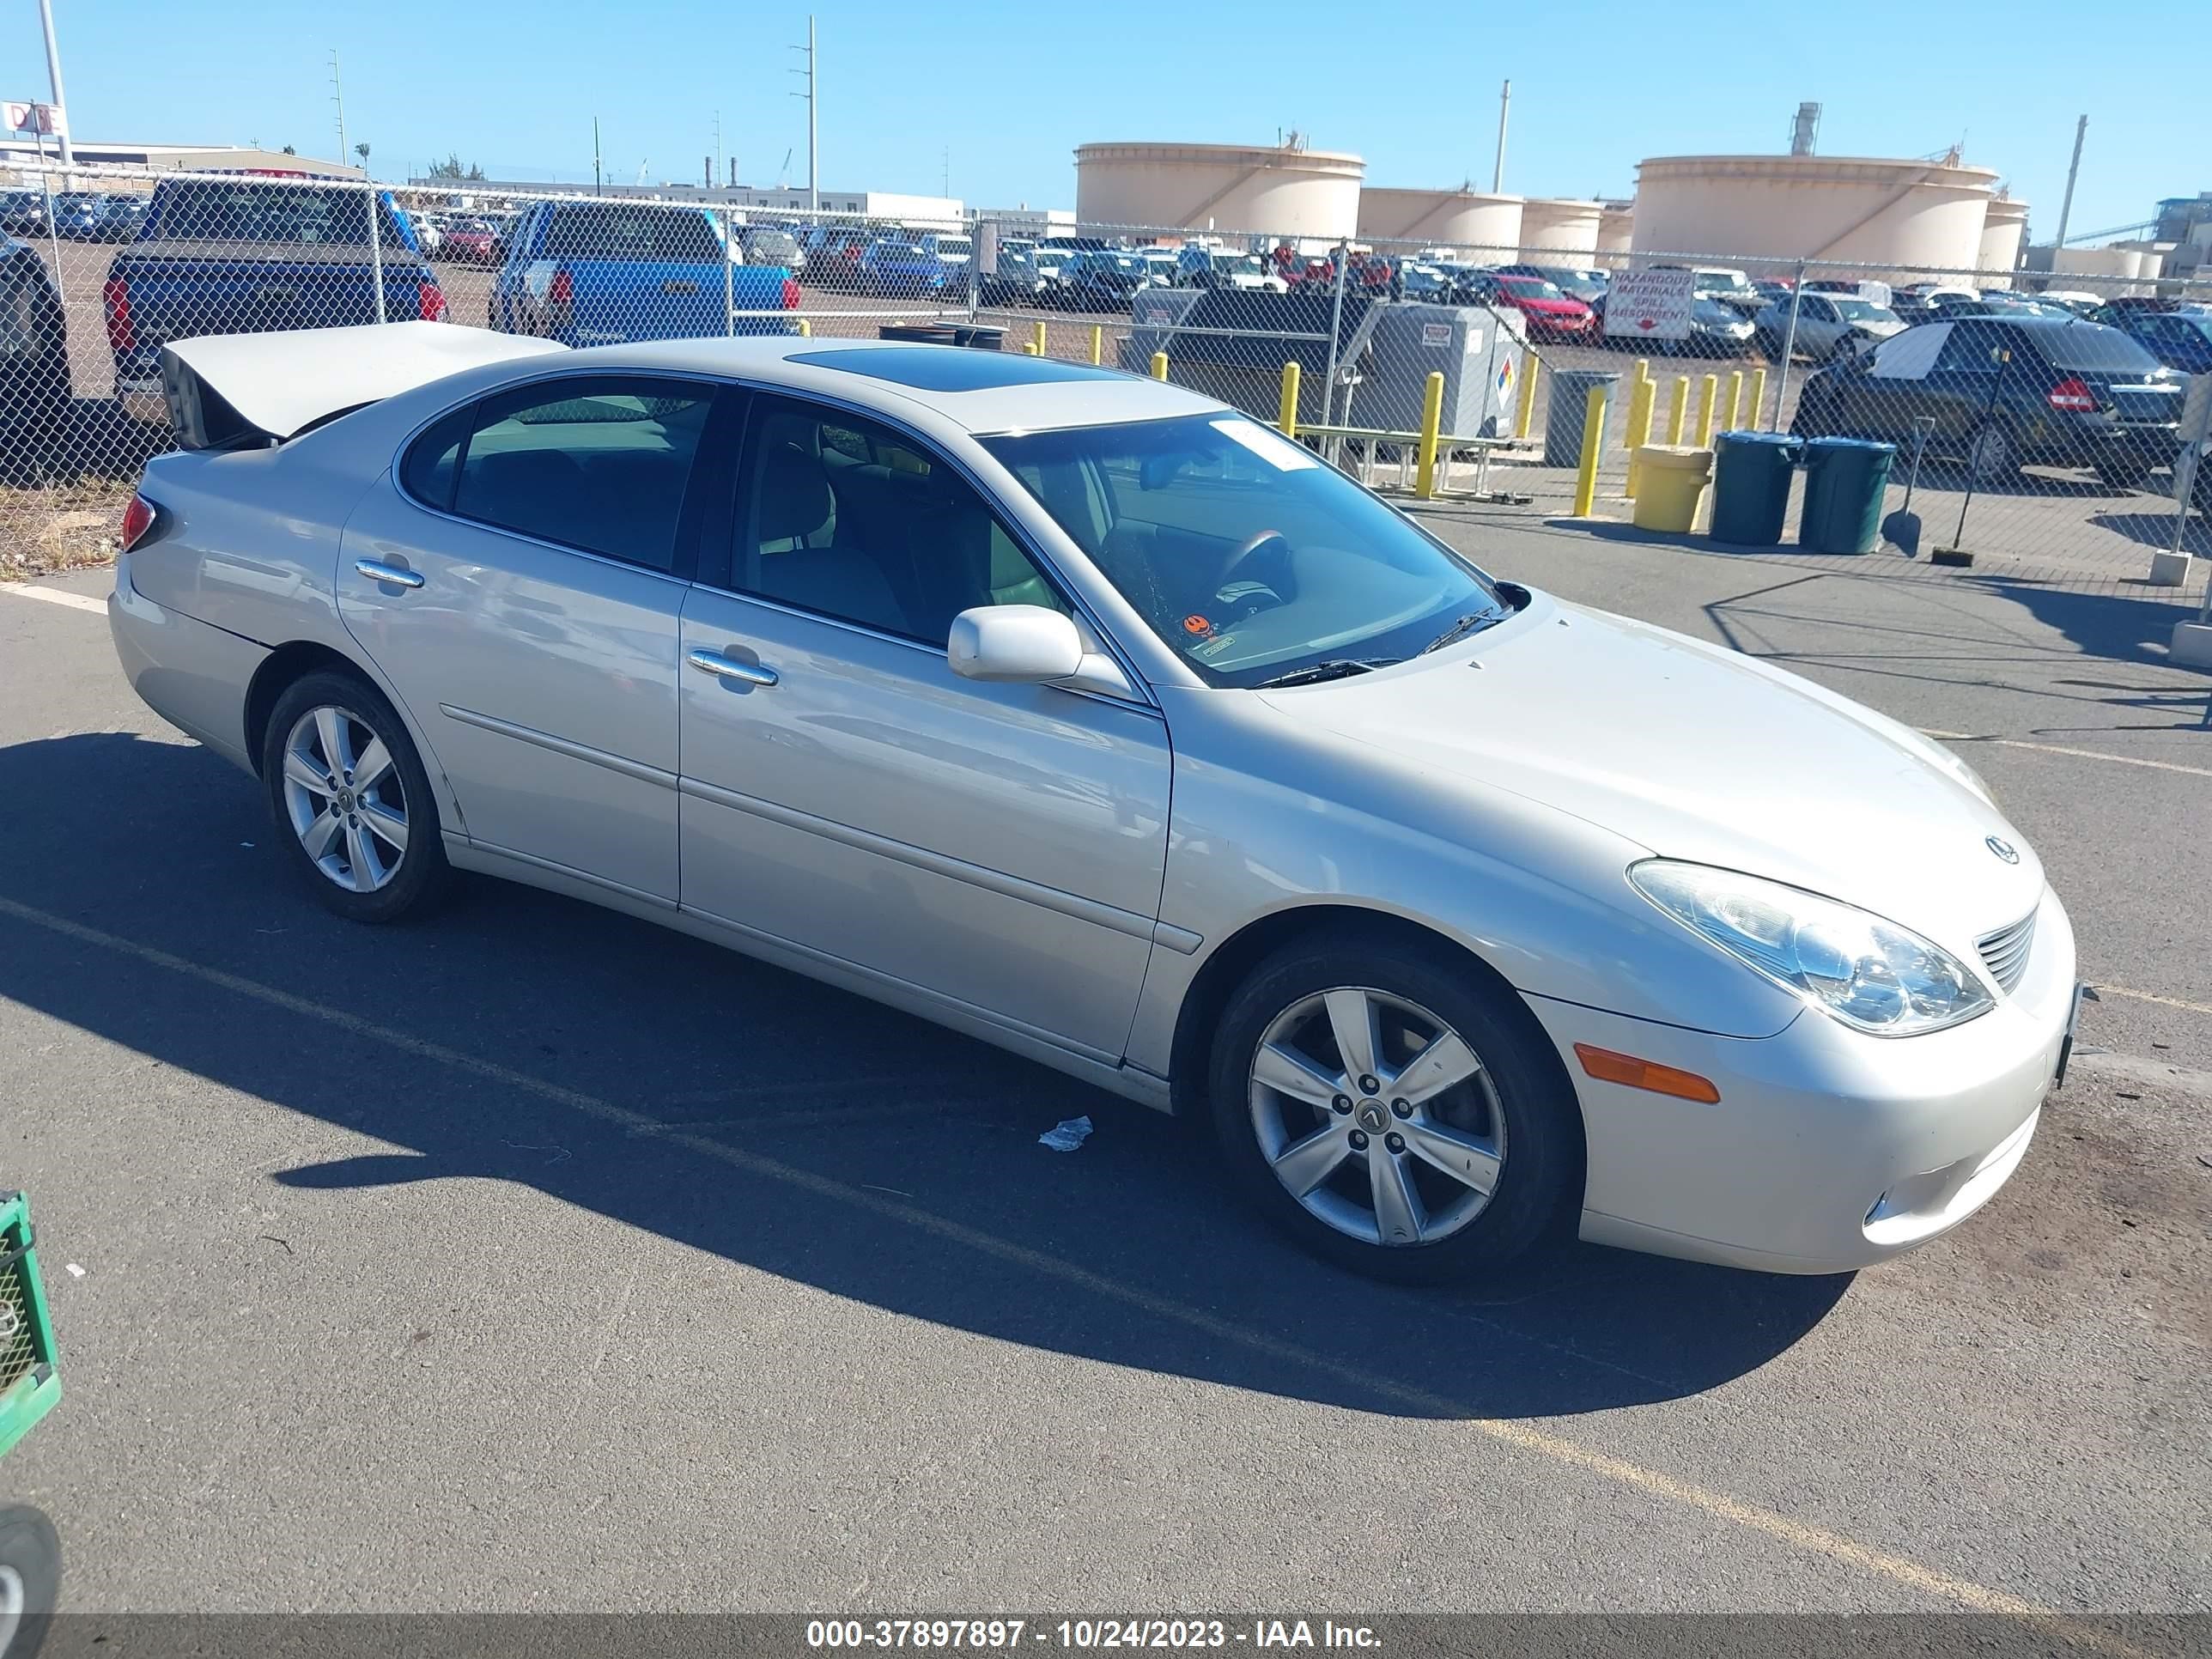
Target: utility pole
{"x":813,"y":168}
{"x":598,"y":184}
{"x":338,"y":97}
{"x":2066,"y":207}
{"x":54,"y":82}
{"x":1504,"y":108}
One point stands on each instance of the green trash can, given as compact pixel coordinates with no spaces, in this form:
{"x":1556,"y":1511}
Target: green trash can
{"x":1751,"y":486}
{"x":1845,"y":479}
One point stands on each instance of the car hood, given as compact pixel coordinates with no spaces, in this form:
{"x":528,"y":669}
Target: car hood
{"x":1697,"y":753}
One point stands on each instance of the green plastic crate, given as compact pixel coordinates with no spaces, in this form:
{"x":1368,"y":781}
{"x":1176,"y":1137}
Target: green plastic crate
{"x":30,"y":1380}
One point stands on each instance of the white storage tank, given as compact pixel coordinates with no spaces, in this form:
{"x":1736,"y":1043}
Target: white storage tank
{"x":1561,"y":226}
{"x":1304,"y":195}
{"x":1458,"y":219}
{"x":1616,"y":228}
{"x":1905,"y":215}
{"x":2005,"y":223}
{"x":2122,"y":269}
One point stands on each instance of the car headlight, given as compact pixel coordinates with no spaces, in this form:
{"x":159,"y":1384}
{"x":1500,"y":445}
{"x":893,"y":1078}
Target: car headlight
{"x":1870,"y":974}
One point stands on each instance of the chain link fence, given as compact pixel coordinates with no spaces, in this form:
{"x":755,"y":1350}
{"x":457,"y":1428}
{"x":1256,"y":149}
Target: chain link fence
{"x":2036,"y":431}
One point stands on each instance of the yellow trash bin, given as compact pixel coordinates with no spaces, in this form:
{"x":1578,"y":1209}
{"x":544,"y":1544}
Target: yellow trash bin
{"x":1671,"y":481}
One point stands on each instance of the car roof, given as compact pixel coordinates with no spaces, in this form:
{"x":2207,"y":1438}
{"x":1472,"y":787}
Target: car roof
{"x":980,"y":392}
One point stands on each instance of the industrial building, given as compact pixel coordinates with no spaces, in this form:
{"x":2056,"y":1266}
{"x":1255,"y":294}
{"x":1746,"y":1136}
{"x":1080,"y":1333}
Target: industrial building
{"x":23,"y":154}
{"x":1562,"y":229}
{"x":1440,"y":218}
{"x":1285,"y":190}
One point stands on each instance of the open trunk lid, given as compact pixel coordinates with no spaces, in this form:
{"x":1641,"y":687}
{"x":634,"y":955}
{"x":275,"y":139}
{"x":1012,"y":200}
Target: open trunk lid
{"x":228,"y":389}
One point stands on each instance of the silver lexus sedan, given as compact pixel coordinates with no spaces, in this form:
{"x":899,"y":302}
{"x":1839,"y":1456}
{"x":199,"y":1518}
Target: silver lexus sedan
{"x":1089,"y":717}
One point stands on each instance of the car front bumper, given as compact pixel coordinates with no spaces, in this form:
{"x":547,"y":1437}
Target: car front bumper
{"x":1829,"y":1150}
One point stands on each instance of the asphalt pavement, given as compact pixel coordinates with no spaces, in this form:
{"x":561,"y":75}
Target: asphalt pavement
{"x":534,"y":1258}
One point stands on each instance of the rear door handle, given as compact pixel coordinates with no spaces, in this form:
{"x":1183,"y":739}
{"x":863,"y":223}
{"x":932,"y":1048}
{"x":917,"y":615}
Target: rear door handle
{"x":725,"y":668}
{"x":377,"y":571}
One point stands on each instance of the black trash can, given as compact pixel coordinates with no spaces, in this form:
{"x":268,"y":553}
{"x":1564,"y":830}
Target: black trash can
{"x":1567,"y":411}
{"x":981,"y":335}
{"x":1751,"y":486}
{"x":1846,"y":483}
{"x":919,"y":333}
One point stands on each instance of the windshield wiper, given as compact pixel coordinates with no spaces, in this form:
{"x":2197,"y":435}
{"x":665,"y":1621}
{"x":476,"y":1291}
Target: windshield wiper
{"x":1335,"y":668}
{"x":1471,"y":622}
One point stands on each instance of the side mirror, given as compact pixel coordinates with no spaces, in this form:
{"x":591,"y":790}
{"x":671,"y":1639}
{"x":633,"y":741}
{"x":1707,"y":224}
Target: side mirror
{"x":1021,"y":644}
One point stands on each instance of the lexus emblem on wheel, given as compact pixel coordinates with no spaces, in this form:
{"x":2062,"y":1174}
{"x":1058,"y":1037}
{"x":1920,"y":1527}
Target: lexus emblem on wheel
{"x":2002,"y":849}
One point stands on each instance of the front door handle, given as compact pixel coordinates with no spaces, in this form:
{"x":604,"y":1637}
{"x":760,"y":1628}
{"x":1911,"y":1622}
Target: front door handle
{"x":725,"y":668}
{"x":377,"y":571}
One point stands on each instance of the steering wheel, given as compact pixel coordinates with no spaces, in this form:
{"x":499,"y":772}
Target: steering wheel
{"x":1243,"y":583}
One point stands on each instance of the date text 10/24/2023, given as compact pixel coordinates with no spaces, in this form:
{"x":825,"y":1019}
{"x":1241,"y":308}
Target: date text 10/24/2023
{"x":1011,"y":1634}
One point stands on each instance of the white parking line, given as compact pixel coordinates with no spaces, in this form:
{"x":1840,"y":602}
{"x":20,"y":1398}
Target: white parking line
{"x":2103,"y":990}
{"x":55,"y":596}
{"x":1806,"y":1536}
{"x":2078,"y":754}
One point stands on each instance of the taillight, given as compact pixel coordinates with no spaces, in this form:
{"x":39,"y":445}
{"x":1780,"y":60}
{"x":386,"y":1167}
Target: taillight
{"x":563,"y":290}
{"x":429,"y":301}
{"x":790,"y":295}
{"x":137,"y":519}
{"x":115,"y":299}
{"x":2072,"y":395}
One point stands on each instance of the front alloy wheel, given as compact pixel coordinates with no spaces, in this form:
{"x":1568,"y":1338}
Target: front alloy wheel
{"x":1376,"y":1116}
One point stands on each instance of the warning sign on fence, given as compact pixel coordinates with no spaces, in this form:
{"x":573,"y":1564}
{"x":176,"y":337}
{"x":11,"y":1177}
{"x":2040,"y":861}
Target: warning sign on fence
{"x":1650,"y":305}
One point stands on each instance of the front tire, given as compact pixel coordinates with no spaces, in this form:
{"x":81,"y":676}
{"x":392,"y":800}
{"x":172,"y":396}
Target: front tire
{"x":351,"y":800}
{"x":30,"y":1580}
{"x":1392,"y":1112}
{"x":1990,"y":458}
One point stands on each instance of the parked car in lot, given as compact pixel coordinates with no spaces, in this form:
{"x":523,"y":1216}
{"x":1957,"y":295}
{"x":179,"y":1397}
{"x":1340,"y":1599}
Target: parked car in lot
{"x":121,"y":218}
{"x":2180,"y":339}
{"x":956,"y":254}
{"x":833,"y":257}
{"x":34,"y":369}
{"x":251,"y":258}
{"x":892,"y":267}
{"x":22,"y":213}
{"x":1725,"y":284}
{"x":770,"y":244}
{"x":1207,"y":267}
{"x":2006,"y":391}
{"x":476,"y":242}
{"x":1829,"y":326}
{"x":77,"y":215}
{"x":1093,"y":718}
{"x":429,"y":232}
{"x":1576,"y":284}
{"x":1022,"y":277}
{"x":1551,"y":315}
{"x":597,"y":273}
{"x":1102,"y":279}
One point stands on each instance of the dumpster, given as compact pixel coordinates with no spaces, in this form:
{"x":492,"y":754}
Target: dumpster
{"x":1564,"y":414}
{"x":1670,"y":484}
{"x":1751,"y":486}
{"x":1845,"y":479}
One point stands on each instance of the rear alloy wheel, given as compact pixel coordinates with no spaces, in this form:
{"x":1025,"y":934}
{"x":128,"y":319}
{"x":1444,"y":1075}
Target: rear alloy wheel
{"x":1990,"y":457}
{"x":1389,"y":1112}
{"x":351,"y":797}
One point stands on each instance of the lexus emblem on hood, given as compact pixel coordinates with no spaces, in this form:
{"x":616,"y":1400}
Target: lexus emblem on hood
{"x":2002,"y":849}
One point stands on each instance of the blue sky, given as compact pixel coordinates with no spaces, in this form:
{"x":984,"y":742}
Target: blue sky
{"x":1009,"y":91}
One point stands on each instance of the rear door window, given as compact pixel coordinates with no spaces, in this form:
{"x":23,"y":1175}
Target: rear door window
{"x":601,"y":463}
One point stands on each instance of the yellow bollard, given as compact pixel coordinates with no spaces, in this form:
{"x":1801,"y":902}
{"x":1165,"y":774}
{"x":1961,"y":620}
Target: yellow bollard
{"x":1757,"y":412}
{"x":1040,"y":341}
{"x":1097,"y":345}
{"x":1734,"y":401}
{"x":1708,"y":388}
{"x":1286,"y":416}
{"x":1593,"y":437}
{"x":1525,"y":416}
{"x":1029,"y":349}
{"x":1678,"y":416}
{"x":1160,"y":365}
{"x":1432,"y":426}
{"x":1641,"y":392}
{"x":805,"y":328}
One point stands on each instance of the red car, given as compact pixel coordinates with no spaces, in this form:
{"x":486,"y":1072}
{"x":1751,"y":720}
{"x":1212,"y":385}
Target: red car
{"x":476,"y":242}
{"x":1551,"y":314}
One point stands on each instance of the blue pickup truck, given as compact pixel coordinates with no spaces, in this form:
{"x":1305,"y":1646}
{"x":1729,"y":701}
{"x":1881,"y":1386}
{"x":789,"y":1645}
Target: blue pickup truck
{"x":251,"y":258}
{"x":599,"y":273}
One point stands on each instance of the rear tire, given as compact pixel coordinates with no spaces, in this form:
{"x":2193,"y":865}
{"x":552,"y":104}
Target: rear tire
{"x":30,"y":1580}
{"x":1482,"y":1167}
{"x":1991,"y":459}
{"x":352,"y":803}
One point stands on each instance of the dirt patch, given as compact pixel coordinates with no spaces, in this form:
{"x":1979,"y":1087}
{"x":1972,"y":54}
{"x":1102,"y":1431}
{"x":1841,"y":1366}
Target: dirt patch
{"x":59,"y":526}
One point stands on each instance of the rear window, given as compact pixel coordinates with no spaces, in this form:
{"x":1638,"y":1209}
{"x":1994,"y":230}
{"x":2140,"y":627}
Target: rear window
{"x":639,"y":235}
{"x":264,"y":213}
{"x":2094,"y":348}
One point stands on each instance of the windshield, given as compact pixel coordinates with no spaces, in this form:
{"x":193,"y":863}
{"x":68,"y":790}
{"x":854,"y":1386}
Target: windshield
{"x":603,"y":230}
{"x":1239,"y":265}
{"x":1243,"y":552}
{"x":1529,"y":287}
{"x":1863,"y":311}
{"x":2092,"y":347}
{"x":1121,"y":262}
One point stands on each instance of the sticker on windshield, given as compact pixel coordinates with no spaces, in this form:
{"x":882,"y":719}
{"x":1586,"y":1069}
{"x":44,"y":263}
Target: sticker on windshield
{"x":1197,"y":627}
{"x":1268,"y":445}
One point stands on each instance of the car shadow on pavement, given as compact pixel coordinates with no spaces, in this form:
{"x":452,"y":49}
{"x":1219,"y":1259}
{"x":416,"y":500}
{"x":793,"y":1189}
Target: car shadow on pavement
{"x":741,"y":1110}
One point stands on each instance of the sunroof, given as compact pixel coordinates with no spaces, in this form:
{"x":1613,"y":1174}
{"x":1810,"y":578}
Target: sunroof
{"x":950,"y":369}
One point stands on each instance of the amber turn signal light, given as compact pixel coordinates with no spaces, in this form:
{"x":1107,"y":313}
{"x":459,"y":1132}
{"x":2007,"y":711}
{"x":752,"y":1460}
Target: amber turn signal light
{"x":1609,"y":1067}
